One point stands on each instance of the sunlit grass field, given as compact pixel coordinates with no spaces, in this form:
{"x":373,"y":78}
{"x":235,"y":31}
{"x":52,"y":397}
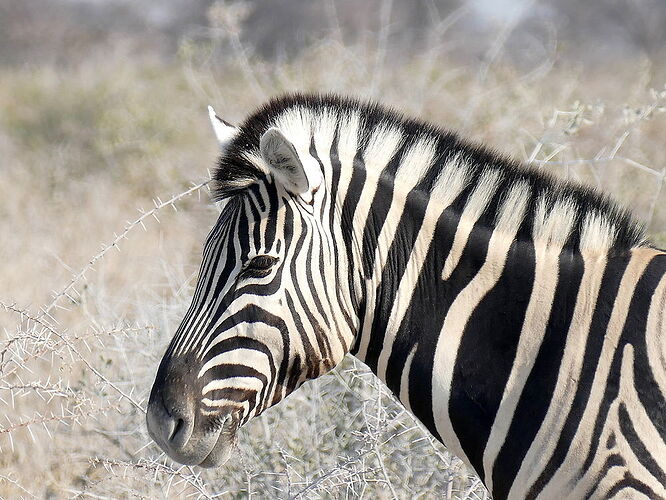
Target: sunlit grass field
{"x":103,"y":213}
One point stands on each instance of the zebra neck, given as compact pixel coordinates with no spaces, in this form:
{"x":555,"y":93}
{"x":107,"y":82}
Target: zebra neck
{"x":424,"y":266}
{"x":444,"y":306}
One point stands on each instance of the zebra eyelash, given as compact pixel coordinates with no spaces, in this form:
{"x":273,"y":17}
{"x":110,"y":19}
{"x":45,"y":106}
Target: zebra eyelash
{"x":258,"y":267}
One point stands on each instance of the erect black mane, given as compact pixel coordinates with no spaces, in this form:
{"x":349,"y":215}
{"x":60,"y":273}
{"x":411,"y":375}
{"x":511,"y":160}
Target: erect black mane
{"x":234,"y":171}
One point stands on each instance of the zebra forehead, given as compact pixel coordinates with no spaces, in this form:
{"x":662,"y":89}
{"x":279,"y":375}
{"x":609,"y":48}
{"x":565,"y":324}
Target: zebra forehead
{"x":556,"y":211}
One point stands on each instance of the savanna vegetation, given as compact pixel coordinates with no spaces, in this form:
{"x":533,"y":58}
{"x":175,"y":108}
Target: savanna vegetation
{"x":105,"y":151}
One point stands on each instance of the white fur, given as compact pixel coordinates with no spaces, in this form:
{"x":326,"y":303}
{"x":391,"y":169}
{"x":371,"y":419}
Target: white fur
{"x":296,"y":124}
{"x":512,"y":211}
{"x":251,"y":383}
{"x":450,"y":182}
{"x":598,"y":233}
{"x":381,"y":147}
{"x":553,"y":225}
{"x":404,"y":378}
{"x":416,"y":162}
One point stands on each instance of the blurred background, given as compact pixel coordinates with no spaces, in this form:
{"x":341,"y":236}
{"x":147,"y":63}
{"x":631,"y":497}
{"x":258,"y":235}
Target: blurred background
{"x":105,"y":149}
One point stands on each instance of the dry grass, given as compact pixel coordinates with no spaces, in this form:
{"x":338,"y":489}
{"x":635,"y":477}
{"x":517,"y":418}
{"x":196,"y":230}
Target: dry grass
{"x":83,"y":149}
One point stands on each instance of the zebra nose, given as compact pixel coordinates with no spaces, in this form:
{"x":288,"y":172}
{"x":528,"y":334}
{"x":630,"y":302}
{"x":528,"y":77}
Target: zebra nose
{"x":170,"y":421}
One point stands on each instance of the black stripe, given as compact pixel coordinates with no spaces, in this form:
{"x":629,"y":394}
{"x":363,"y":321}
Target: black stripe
{"x":274,"y":202}
{"x":225,"y":370}
{"x":487,"y":351}
{"x":647,"y":388}
{"x":379,"y":208}
{"x":540,"y":384}
{"x":352,"y":196}
{"x":632,"y":484}
{"x":310,"y":353}
{"x":428,"y":309}
{"x":335,"y":181}
{"x":236,"y":395}
{"x":636,"y":444}
{"x":634,"y":333}
{"x":236,"y":342}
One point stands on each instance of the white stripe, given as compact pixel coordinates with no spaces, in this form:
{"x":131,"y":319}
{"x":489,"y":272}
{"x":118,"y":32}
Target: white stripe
{"x":546,"y":439}
{"x":296,"y":124}
{"x":656,"y":343}
{"x":553,"y":224}
{"x":452,"y":330}
{"x":247,"y":383}
{"x":382,"y":146}
{"x":404,"y":378}
{"x":415,"y":162}
{"x":242,"y":357}
{"x":474,"y":208}
{"x":531,"y":336}
{"x":598,"y":233}
{"x":452,"y":179}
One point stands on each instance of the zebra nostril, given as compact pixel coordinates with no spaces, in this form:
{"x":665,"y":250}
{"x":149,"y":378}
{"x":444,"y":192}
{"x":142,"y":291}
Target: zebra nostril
{"x":180,"y":425}
{"x":170,"y":422}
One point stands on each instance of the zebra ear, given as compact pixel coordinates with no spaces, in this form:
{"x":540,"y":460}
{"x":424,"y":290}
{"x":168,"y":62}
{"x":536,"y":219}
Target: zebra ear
{"x":283,"y":160}
{"x":224,"y":131}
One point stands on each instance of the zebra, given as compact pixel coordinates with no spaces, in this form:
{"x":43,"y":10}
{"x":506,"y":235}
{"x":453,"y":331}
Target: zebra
{"x":520,"y":317}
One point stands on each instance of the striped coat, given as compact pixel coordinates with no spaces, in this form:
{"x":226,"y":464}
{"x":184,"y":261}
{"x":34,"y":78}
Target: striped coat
{"x":521,"y":318}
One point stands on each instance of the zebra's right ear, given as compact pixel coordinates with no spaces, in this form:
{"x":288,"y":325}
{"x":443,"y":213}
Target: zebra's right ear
{"x":224,"y":131}
{"x":283,"y":160}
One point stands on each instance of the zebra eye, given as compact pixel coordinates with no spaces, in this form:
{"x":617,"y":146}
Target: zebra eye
{"x":263,"y":262}
{"x":259,"y":267}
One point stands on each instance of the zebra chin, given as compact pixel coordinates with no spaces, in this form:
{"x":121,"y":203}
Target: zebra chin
{"x":222,"y":445}
{"x":221,"y":451}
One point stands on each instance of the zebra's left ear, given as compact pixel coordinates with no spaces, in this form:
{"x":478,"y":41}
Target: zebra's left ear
{"x":224,"y":131}
{"x":286,"y":166}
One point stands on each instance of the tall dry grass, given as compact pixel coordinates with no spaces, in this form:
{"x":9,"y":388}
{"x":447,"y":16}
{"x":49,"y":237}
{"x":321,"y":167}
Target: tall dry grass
{"x":96,"y":266}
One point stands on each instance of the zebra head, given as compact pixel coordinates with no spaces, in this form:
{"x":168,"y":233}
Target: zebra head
{"x":268,"y":312}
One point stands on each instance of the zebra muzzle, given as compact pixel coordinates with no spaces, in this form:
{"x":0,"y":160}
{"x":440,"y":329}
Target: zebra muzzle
{"x":187,"y":435}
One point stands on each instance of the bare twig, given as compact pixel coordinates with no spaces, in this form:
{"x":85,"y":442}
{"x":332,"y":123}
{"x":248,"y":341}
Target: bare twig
{"x":140,"y":221}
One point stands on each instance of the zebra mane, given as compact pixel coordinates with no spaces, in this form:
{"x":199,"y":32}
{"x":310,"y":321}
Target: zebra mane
{"x":592,"y":219}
